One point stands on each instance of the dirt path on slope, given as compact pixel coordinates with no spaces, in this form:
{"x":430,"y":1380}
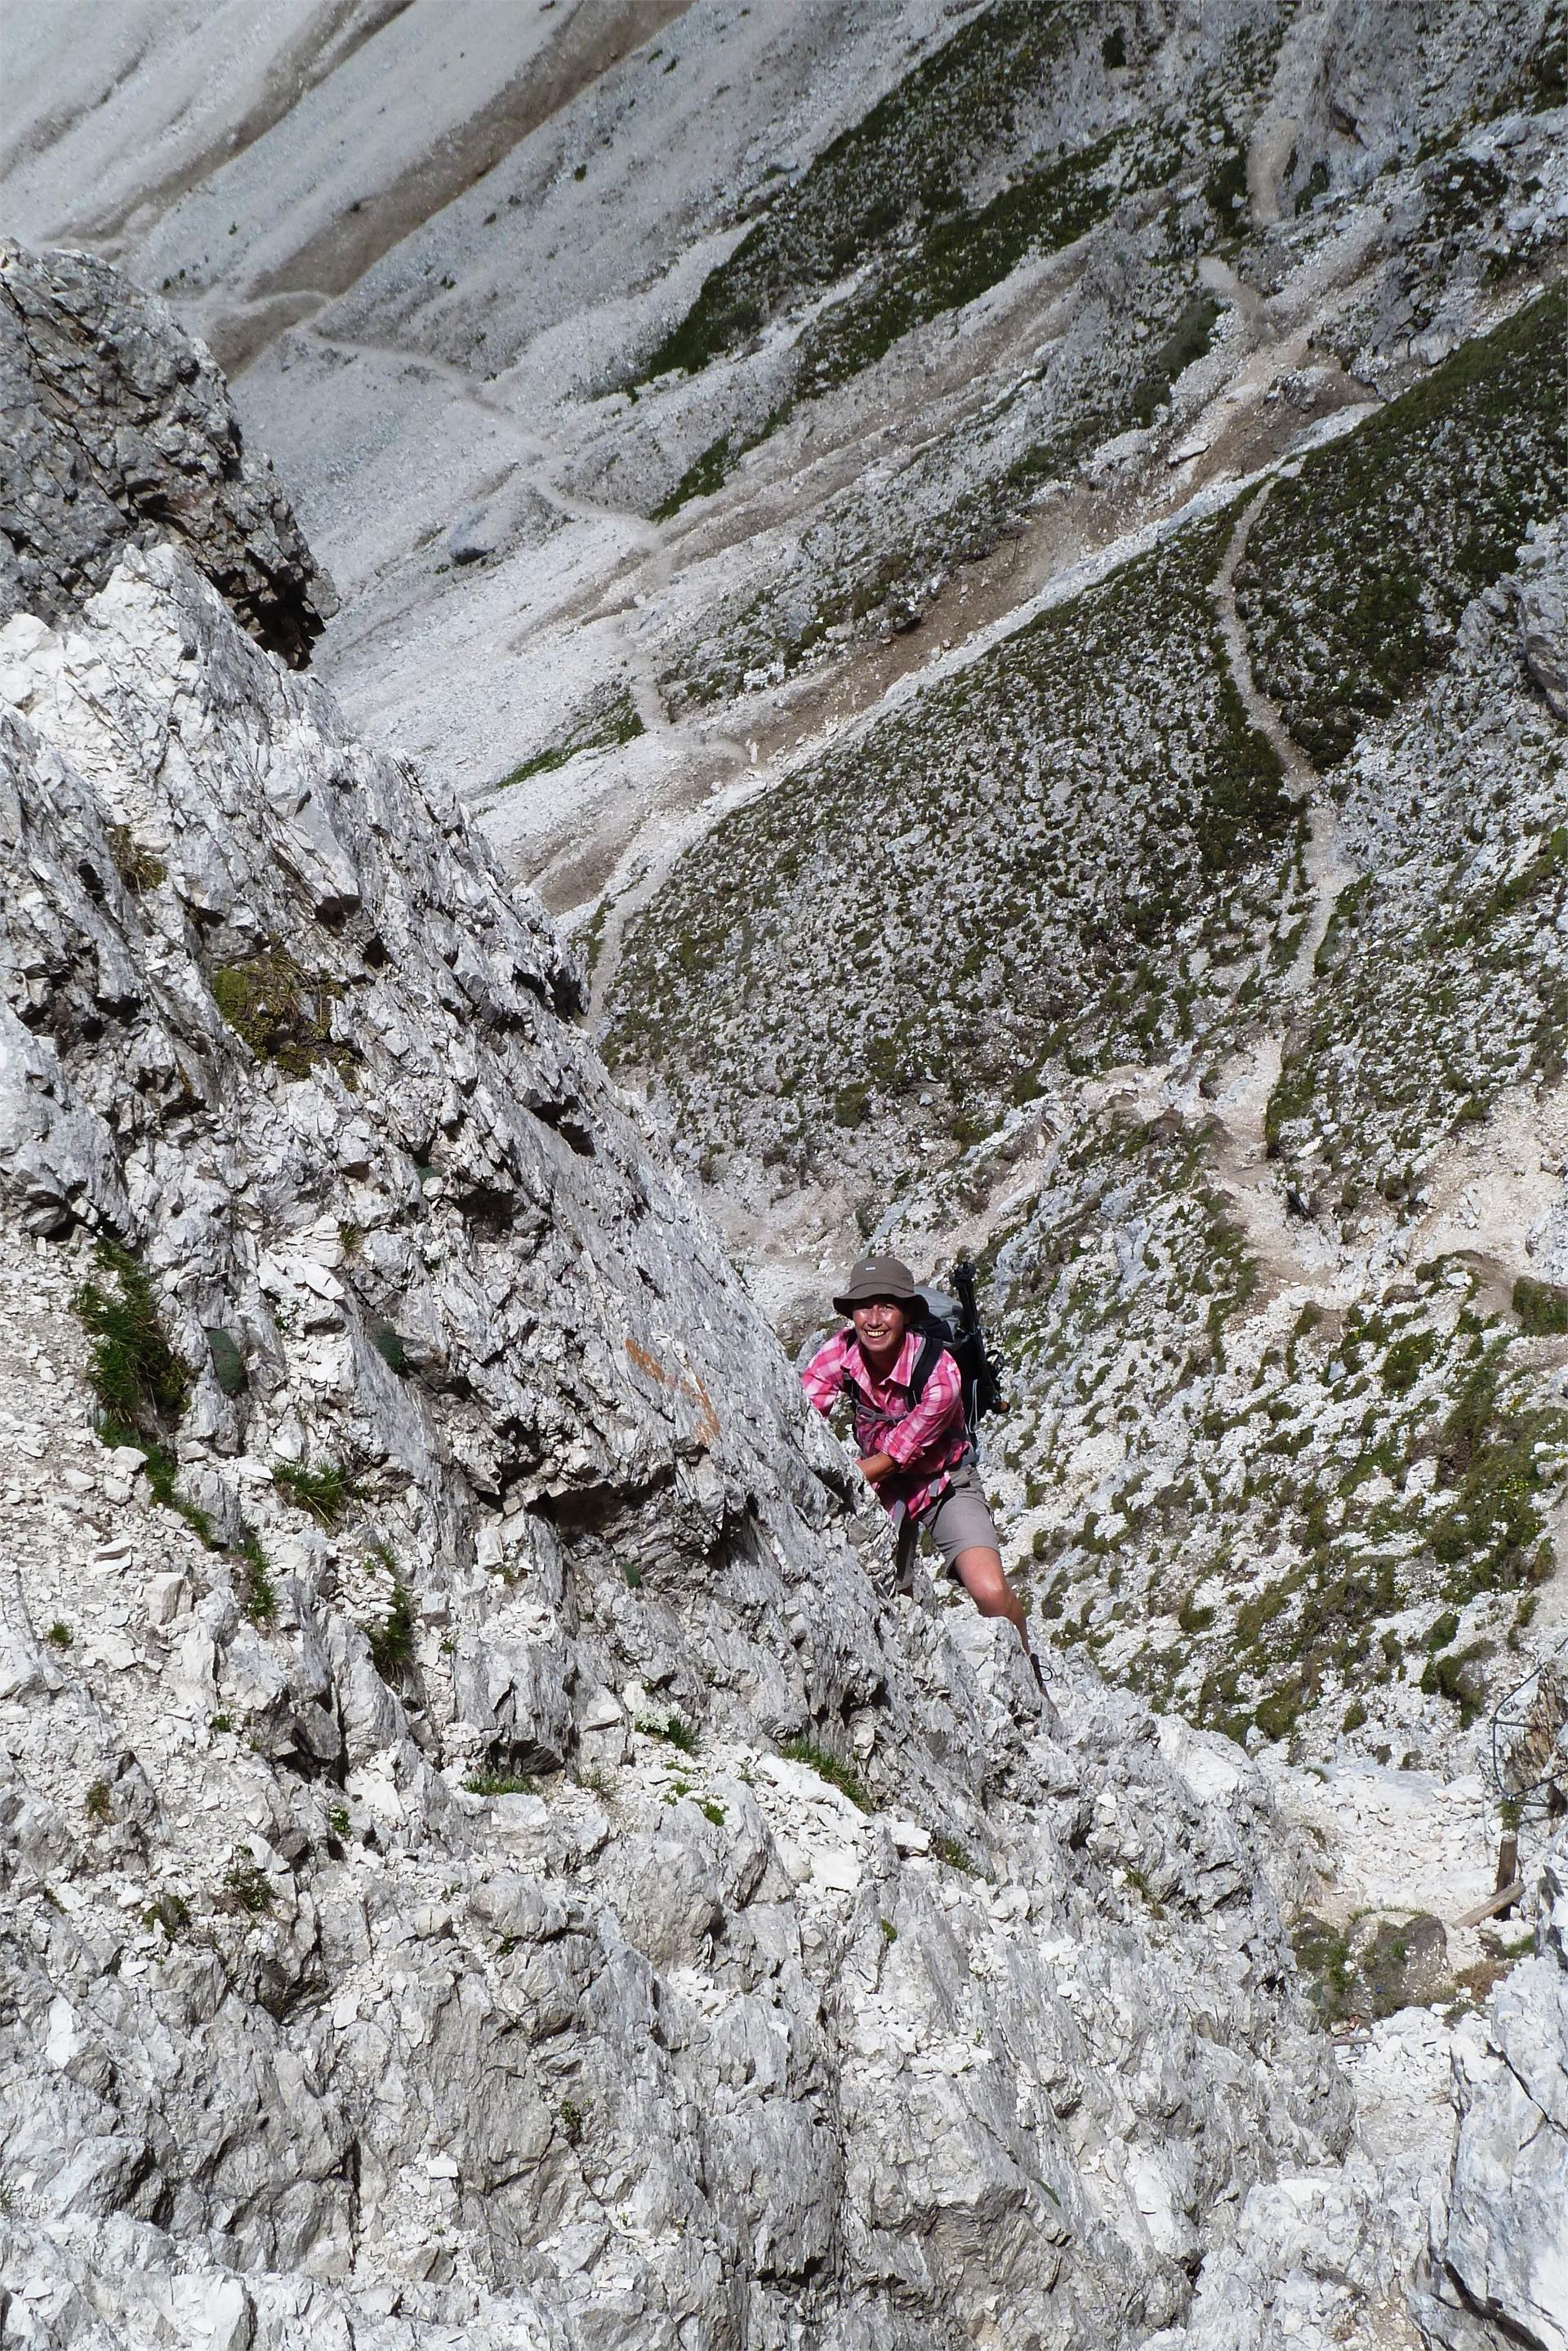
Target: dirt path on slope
{"x":471,"y":392}
{"x":1327,"y":872}
{"x":1288,"y":1246}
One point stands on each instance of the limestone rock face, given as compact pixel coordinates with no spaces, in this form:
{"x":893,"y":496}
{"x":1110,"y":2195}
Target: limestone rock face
{"x":120,"y":430}
{"x":1501,"y":2264}
{"x":495,"y":1977}
{"x":415,"y":1932}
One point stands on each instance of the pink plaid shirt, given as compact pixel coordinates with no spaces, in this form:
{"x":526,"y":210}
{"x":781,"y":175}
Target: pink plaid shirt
{"x":925,"y":1443}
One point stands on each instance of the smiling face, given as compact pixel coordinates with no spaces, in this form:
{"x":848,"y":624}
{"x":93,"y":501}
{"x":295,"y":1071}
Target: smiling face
{"x":879,"y":1325}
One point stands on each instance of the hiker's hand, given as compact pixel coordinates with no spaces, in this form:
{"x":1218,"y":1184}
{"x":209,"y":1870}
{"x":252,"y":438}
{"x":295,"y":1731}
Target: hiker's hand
{"x":875,"y":1467}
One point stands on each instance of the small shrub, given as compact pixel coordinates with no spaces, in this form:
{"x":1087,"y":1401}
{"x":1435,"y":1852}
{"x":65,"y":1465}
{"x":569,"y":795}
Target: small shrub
{"x":1403,"y":1363}
{"x":1455,"y":1675}
{"x":499,"y":1783}
{"x":97,"y":1803}
{"x":828,"y":1767}
{"x":391,"y":1641}
{"x":948,"y":1850}
{"x":325,"y":1493}
{"x":714,"y":1812}
{"x":571,"y":2121}
{"x":1276,"y":1715}
{"x":1354,"y":1715}
{"x":1542,"y":1308}
{"x":59,"y":1636}
{"x":171,"y":1913}
{"x":247,"y":1887}
{"x":338,"y":1820}
{"x":1323,"y":1957}
{"x":676,"y":1730}
{"x":889,"y":1931}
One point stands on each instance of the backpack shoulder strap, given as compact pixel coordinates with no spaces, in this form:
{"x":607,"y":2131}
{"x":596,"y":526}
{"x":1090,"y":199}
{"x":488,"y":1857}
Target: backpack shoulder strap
{"x":932,"y":1348}
{"x":848,"y":1385}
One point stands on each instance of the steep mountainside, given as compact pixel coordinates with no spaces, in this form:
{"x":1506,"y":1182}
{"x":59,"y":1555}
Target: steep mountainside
{"x":485,"y":1859}
{"x":660,"y":384}
{"x":1004,"y":571}
{"x":1287,"y":1440}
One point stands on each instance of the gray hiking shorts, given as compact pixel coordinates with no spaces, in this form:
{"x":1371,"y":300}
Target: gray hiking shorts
{"x":961,"y":1521}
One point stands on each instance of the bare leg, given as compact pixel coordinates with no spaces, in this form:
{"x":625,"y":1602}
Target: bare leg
{"x":981,"y":1573}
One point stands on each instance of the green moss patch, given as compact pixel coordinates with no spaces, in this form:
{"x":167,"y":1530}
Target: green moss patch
{"x":283,"y":1013}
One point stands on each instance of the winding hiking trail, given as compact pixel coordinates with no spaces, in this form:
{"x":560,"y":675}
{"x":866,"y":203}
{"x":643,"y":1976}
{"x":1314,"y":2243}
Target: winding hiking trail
{"x":1288,"y":1248}
{"x":849,"y":701}
{"x":1326,"y":872}
{"x":1485,"y":1221}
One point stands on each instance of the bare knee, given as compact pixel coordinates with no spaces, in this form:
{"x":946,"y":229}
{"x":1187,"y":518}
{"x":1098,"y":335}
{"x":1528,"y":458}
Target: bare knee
{"x":981,"y":1573}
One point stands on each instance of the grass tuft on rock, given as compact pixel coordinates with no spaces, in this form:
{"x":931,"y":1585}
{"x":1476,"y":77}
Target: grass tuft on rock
{"x":391,"y":1641}
{"x":324,"y":1492}
{"x":828,"y":1767}
{"x":282,"y":1014}
{"x":138,"y":1381}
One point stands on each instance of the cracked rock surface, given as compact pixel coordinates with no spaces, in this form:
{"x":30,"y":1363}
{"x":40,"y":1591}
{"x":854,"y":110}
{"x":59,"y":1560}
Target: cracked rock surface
{"x":119,"y":429}
{"x":497,"y":1979}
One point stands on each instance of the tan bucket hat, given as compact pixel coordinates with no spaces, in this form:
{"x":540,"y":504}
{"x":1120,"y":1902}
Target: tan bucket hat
{"x":877,"y":1276}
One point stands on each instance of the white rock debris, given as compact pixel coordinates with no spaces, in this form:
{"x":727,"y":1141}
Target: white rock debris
{"x":322,"y":2020}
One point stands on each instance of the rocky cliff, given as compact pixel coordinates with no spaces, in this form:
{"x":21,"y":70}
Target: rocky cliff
{"x":119,"y":431}
{"x":483,"y":1862}
{"x":1070,"y":500}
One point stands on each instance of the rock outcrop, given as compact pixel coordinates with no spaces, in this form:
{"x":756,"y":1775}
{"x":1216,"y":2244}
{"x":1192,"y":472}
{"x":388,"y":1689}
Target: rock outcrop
{"x":418,"y":1559}
{"x":119,"y":430}
{"x":1499,"y":2258}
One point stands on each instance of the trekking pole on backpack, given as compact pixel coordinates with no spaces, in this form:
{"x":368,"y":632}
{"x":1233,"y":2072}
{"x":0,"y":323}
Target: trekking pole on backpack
{"x":982,"y":1386}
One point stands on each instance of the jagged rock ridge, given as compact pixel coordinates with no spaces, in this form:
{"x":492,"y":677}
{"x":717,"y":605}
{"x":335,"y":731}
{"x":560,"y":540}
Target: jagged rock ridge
{"x":120,"y":430}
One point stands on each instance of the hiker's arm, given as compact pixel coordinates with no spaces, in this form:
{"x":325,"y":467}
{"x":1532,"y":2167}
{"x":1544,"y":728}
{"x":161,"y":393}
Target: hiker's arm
{"x":939,"y":1409}
{"x":823,"y":1381}
{"x":823,"y":1377}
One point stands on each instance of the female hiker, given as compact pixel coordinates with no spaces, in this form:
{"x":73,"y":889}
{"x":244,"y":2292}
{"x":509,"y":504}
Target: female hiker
{"x":910,"y":1431}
